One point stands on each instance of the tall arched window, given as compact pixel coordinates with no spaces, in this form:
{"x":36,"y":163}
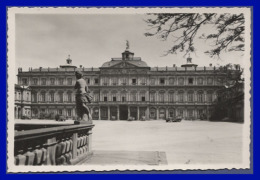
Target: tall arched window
{"x":114,"y":96}
{"x":114,"y":81}
{"x":209,"y":96}
{"x":69,"y":96}
{"x":161,"y":96}
{"x":200,"y":96}
{"x":96,"y":96}
{"x":52,"y":96}
{"x":152,"y":96}
{"x":142,"y":95}
{"x":190,"y":96}
{"x":171,"y":96}
{"x":43,"y":96}
{"x":133,"y":96}
{"x":60,"y":96}
{"x":34,"y":97}
{"x":181,"y":96}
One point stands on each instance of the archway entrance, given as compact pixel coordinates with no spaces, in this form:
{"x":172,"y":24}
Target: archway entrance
{"x":123,"y":112}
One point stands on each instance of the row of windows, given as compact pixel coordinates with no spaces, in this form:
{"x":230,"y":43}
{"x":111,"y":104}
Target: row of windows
{"x":123,"y":81}
{"x":53,"y":81}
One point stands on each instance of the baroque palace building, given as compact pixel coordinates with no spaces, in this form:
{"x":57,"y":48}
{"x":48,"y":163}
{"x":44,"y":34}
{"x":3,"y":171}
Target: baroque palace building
{"x":126,"y":88}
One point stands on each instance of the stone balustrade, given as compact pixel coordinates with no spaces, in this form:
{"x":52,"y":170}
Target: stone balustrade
{"x":64,"y":145}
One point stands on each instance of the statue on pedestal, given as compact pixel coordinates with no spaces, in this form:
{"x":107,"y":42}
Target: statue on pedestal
{"x":82,"y":99}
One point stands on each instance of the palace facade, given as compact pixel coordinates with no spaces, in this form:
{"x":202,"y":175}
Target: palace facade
{"x":126,"y":88}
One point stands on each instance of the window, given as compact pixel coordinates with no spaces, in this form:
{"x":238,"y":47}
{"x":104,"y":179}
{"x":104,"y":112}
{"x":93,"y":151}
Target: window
{"x":105,"y":98}
{"x":43,"y":97}
{"x":28,"y":96}
{"x":181,"y":112}
{"x":24,"y":81}
{"x":123,"y":99}
{"x":152,"y":97}
{"x":210,"y":81}
{"x":171,"y":112}
{"x":133,"y":96}
{"x":96,"y":81}
{"x":114,"y":81}
{"x":61,"y":81}
{"x":143,"y":81}
{"x":114,"y":98}
{"x":152,"y":81}
{"x":200,"y":81}
{"x":134,"y":81}
{"x":35,"y":81}
{"x":161,"y":97}
{"x":162,"y":81}
{"x":60,"y":111}
{"x":180,"y":96}
{"x":105,"y":81}
{"x":190,"y":113}
{"x":43,"y":81}
{"x":124,"y":81}
{"x":200,"y":96}
{"x":52,"y":96}
{"x":190,"y":96}
{"x":181,"y":81}
{"x":200,"y":112}
{"x":171,"y":81}
{"x":69,"y":81}
{"x":69,"y":112}
{"x":210,"y":96}
{"x":60,"y":97}
{"x":96,"y":97}
{"x":190,"y":80}
{"x":52,"y":81}
{"x":34,"y":97}
{"x":171,"y":97}
{"x":69,"y":97}
{"x":143,"y":98}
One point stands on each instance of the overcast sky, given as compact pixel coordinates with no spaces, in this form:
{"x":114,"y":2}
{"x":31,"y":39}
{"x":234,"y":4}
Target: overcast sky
{"x":47,"y":40}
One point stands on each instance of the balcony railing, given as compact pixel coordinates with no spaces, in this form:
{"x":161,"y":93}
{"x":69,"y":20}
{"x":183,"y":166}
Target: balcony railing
{"x":63,"y":145}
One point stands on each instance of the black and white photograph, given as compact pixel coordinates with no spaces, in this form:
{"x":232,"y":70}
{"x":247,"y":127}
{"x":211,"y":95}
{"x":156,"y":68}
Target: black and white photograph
{"x":108,"y":89}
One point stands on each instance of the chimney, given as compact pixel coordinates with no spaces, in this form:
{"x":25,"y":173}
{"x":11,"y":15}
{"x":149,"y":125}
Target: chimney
{"x":40,"y":68}
{"x":174,"y":65}
{"x":80,"y":66}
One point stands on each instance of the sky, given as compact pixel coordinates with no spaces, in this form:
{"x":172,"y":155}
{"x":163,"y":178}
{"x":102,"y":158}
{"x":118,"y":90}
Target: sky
{"x":46,"y":40}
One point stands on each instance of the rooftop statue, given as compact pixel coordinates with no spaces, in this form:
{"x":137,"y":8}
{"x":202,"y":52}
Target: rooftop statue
{"x":127,"y":45}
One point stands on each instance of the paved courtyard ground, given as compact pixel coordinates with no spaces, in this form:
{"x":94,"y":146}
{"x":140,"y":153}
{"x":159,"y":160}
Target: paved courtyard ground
{"x":186,"y":142}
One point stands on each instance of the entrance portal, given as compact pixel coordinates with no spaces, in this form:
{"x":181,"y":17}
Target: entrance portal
{"x":123,"y":112}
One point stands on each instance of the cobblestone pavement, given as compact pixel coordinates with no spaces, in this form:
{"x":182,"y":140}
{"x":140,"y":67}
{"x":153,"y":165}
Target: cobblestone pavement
{"x":186,"y":142}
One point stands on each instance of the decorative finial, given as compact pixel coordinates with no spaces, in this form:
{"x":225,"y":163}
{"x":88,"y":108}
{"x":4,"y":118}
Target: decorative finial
{"x":68,"y":56}
{"x":127,"y":45}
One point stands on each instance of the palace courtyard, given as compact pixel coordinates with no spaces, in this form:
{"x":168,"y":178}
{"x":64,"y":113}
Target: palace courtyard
{"x":186,"y":142}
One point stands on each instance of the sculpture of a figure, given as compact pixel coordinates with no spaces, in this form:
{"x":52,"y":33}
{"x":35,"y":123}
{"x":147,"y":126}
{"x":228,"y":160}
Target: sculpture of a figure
{"x":127,"y":45}
{"x":81,"y":98}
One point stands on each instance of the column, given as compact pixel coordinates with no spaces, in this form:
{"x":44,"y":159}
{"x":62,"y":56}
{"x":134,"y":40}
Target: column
{"x":128,"y":108}
{"x":108,"y":113}
{"x":167,"y":112}
{"x":137,"y":113}
{"x":99,"y":113}
{"x":118,"y":115}
{"x":147,"y":113}
{"x":157,"y":113}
